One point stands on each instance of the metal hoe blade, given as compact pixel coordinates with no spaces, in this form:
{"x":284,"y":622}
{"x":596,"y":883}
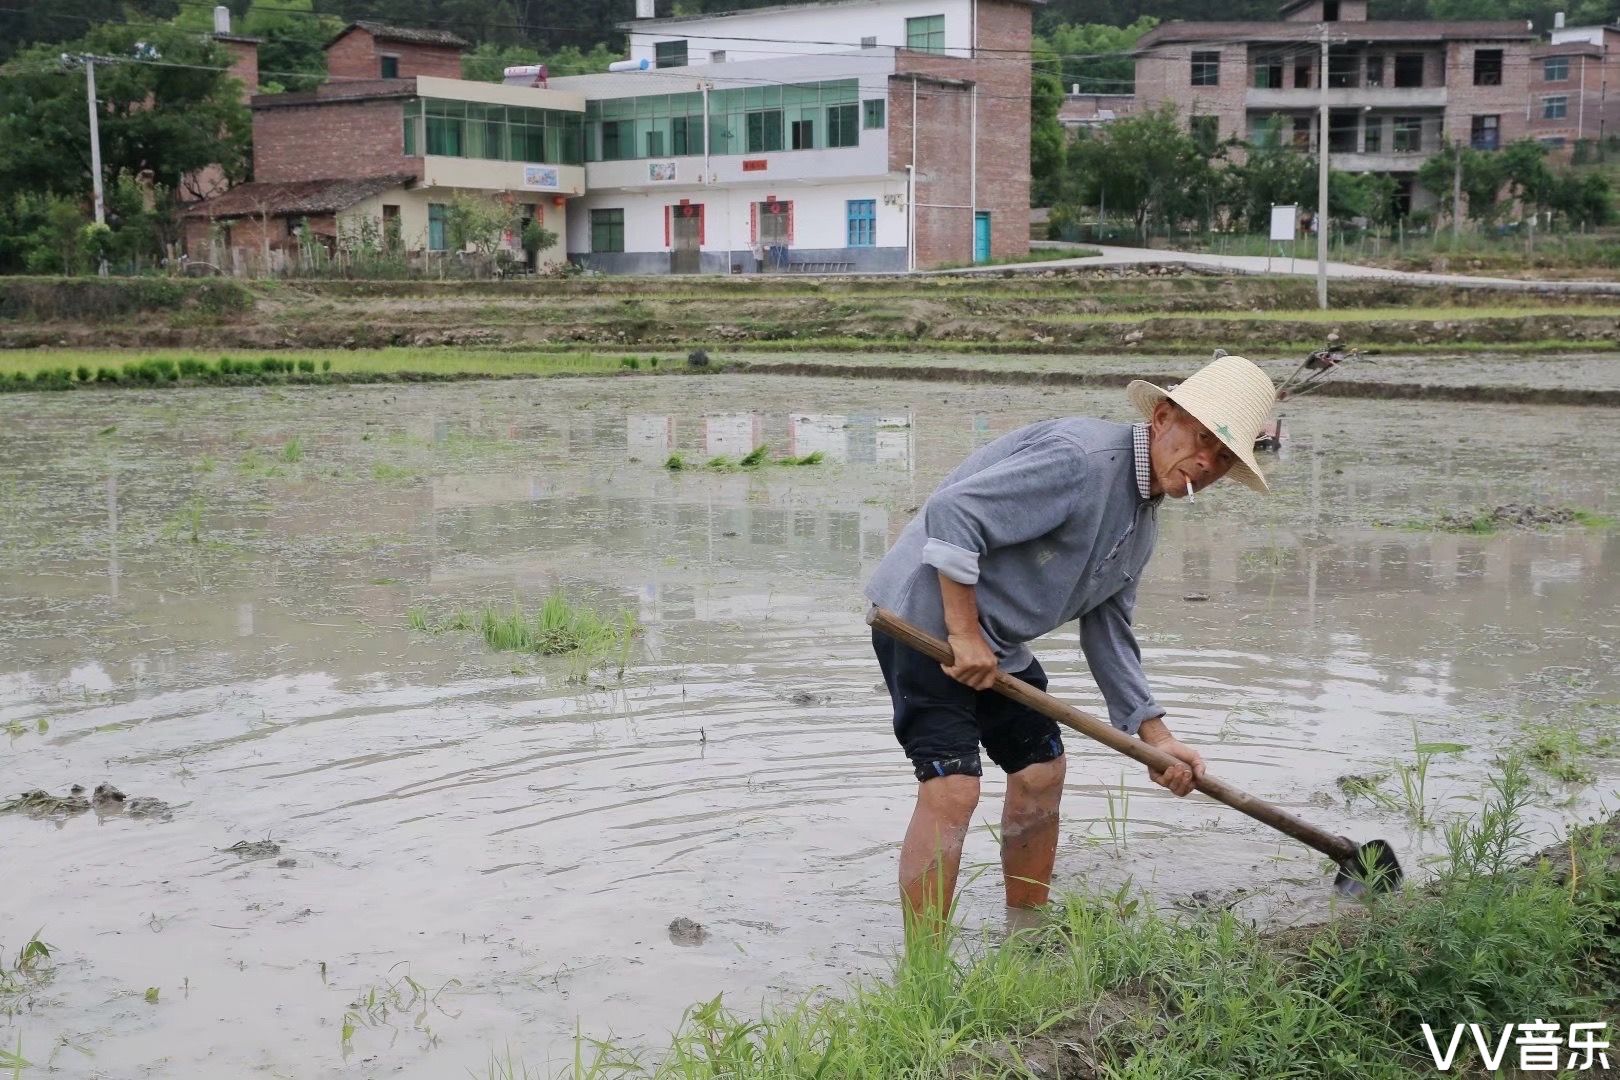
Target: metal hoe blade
{"x":1373,"y":869}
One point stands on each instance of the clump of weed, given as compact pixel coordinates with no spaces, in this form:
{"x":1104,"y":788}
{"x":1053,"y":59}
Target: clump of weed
{"x":383,"y":470}
{"x":560,"y":627}
{"x":630,"y":362}
{"x":814,"y":458}
{"x":293,"y":450}
{"x":675,"y":462}
{"x":755,"y":457}
{"x":720,"y":463}
{"x":186,"y":524}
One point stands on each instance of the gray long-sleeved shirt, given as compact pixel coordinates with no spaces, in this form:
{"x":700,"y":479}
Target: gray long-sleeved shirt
{"x":1049,"y":524}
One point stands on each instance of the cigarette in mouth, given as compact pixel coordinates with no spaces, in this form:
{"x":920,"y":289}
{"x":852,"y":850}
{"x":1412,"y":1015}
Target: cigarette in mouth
{"x":1189,"y":491}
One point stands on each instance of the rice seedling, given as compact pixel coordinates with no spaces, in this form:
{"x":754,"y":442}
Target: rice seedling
{"x":417,"y":619}
{"x":152,"y":995}
{"x":558,"y":628}
{"x":814,"y":458}
{"x":755,"y":457}
{"x":293,"y":450}
{"x":376,"y":1006}
{"x":1119,"y":814}
{"x":675,"y":463}
{"x":720,"y":463}
{"x":186,"y":523}
{"x":387,"y":472}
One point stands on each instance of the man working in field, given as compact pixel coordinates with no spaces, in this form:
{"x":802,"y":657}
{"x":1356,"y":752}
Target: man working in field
{"x":1051,"y":522}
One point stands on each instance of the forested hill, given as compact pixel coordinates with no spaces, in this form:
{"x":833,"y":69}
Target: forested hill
{"x":546,"y":26}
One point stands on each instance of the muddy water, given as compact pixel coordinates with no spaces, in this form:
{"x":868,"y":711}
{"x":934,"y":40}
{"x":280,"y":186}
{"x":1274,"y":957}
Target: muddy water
{"x":519,"y":841}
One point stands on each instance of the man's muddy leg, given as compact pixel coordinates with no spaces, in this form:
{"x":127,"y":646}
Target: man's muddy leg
{"x":932,"y":852}
{"x":1029,"y":835}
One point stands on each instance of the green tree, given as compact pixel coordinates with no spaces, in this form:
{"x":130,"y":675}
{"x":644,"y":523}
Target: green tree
{"x":1582,"y":198}
{"x":1046,"y":135}
{"x":1271,"y":173}
{"x":1096,"y":56}
{"x":1144,"y":165}
{"x":475,"y":221}
{"x":1482,"y":175}
{"x":488,"y":61}
{"x":166,"y":111}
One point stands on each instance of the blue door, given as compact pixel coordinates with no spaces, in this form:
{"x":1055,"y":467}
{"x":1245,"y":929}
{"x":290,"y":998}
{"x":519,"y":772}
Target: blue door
{"x":981,"y":236}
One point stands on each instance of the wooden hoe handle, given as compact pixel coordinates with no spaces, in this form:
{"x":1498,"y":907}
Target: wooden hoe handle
{"x":1338,"y":847}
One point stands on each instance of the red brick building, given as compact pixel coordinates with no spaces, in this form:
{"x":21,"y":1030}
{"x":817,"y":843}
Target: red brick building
{"x":1570,"y":76}
{"x":372,"y":50}
{"x":1397,"y":91}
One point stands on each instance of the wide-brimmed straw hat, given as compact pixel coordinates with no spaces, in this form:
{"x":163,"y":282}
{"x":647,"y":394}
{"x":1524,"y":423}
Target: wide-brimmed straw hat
{"x":1231,"y":397}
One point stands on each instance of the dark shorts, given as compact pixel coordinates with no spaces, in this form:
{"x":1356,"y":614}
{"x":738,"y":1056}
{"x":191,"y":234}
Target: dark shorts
{"x":941,"y":722}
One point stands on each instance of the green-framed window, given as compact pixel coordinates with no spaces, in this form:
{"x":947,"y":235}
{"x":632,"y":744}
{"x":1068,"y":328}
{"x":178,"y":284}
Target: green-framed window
{"x":607,"y":230}
{"x":471,"y":129}
{"x":436,"y":238}
{"x":751,"y":120}
{"x":843,"y":125}
{"x":926,"y":33}
{"x":764,"y":131}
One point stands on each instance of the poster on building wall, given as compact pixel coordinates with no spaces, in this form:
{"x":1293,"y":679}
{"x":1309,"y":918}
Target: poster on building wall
{"x":541,"y":178}
{"x":660,"y":171}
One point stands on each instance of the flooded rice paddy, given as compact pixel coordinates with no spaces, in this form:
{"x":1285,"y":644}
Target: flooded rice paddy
{"x":204,"y":599}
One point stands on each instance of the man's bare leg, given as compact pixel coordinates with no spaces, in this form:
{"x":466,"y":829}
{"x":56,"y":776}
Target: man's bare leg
{"x":932,"y":852}
{"x":1029,"y":836}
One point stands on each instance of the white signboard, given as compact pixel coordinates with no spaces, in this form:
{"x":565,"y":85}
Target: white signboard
{"x":1284,"y":220}
{"x":541,"y":178}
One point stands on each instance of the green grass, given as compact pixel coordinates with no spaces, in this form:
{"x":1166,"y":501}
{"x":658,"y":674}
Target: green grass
{"x":1153,"y":996}
{"x":312,"y":365}
{"x":1566,"y":746}
{"x":1348,"y":315}
{"x":560,"y":627}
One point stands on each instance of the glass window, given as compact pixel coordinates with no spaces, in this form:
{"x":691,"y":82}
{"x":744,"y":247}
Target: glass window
{"x":1375,"y":71}
{"x":436,"y":240}
{"x":1372,"y":135}
{"x":1265,"y":131}
{"x":1555,"y":69}
{"x":1555,"y":108}
{"x":390,"y":67}
{"x":1408,"y":134}
{"x":869,"y":42}
{"x":1268,"y":73}
{"x":843,"y":125}
{"x":802,"y":134}
{"x":862,"y":222}
{"x":669,"y":54}
{"x":764,"y":131}
{"x":1484,"y":132}
{"x":1487,"y":67}
{"x":472,"y":129}
{"x":717,"y":56}
{"x":872,"y":115}
{"x":616,"y":135}
{"x":1409,"y":69}
{"x":926,"y":34}
{"x":1206,"y":68}
{"x":655,"y":144}
{"x":413,"y":112}
{"x":607,"y":230}
{"x":1343,"y":67}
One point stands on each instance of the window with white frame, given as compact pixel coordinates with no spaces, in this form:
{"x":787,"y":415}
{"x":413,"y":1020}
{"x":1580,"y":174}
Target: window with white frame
{"x":1555,"y":69}
{"x":1555,"y":107}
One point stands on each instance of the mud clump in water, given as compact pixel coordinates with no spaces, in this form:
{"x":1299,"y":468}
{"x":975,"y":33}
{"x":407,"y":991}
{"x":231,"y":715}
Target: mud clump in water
{"x":106,"y":800}
{"x":250,"y":850}
{"x":1510,"y":516}
{"x":687,"y":932}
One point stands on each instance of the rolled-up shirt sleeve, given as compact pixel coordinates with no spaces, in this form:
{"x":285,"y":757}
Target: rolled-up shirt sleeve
{"x":1109,"y":643}
{"x":1026,"y":494}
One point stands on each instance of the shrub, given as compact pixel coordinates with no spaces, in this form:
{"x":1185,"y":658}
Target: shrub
{"x":307,"y":367}
{"x":84,"y":373}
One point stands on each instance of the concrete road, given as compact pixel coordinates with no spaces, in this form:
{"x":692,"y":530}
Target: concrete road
{"x":1259,"y":264}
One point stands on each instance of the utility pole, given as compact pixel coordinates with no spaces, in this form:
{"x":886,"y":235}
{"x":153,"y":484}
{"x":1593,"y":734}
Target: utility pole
{"x":1322,"y":176}
{"x":95,"y":137}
